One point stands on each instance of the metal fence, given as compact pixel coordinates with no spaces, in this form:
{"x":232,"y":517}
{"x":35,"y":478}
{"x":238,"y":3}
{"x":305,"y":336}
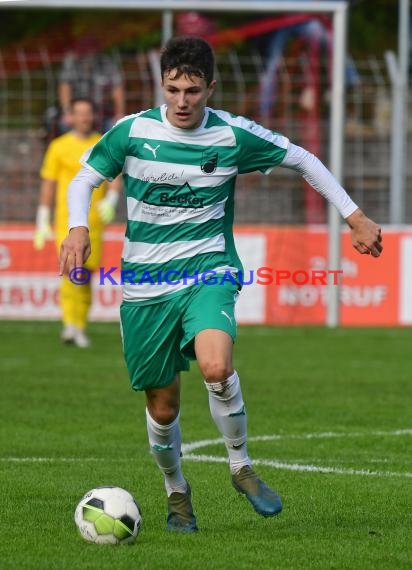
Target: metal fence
{"x":28,"y":97}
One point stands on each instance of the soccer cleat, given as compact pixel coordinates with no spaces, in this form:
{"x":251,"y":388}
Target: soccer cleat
{"x":180,"y":517}
{"x":264,"y":500}
{"x":68,"y":333}
{"x":80,"y":339}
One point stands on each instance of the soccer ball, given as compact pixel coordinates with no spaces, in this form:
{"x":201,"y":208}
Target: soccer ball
{"x":108,"y":515}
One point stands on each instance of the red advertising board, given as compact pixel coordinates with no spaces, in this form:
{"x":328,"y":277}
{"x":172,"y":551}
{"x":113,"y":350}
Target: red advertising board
{"x":287,"y":267}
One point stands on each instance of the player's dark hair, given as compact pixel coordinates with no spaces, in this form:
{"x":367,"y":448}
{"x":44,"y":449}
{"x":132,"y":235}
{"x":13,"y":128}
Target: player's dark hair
{"x":188,"y":55}
{"x":83,"y":100}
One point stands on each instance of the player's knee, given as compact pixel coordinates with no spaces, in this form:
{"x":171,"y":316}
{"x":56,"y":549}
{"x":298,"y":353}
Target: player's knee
{"x":215,"y":371}
{"x":163,"y":413}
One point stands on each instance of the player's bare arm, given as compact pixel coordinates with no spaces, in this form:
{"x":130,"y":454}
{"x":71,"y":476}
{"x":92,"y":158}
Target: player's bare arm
{"x":75,"y":249}
{"x":366,"y":234}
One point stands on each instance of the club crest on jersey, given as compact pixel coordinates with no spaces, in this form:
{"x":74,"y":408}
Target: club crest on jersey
{"x":208,"y":162}
{"x":173,"y":196}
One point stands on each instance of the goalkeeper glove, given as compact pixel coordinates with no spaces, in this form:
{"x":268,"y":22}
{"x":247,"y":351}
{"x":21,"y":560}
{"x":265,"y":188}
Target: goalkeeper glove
{"x":106,"y":207}
{"x":43,"y":229}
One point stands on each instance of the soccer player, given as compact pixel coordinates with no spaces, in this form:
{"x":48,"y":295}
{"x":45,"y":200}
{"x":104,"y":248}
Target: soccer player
{"x":61,"y":163}
{"x":180,"y":163}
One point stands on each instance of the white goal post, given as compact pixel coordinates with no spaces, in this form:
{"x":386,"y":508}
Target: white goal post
{"x":338,"y":10}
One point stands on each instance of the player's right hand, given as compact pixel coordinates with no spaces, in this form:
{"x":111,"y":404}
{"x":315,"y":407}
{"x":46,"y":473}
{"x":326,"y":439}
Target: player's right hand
{"x":41,"y":234}
{"x":74,"y":250}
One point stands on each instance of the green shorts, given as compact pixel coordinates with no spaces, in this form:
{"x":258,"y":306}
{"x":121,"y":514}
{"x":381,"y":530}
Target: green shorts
{"x":158,"y":339}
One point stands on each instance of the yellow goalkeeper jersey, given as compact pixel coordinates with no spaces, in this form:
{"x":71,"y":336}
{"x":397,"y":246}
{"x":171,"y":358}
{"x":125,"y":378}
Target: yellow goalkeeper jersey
{"x":61,"y":163}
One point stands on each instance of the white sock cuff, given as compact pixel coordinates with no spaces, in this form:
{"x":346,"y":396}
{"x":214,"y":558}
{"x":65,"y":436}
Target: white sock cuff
{"x":159,"y":427}
{"x":228,"y":386}
{"x":235,"y":441}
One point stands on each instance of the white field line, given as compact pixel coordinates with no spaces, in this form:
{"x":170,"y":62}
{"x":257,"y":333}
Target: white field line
{"x":302,"y":468}
{"x":188,"y":447}
{"x":51,"y":459}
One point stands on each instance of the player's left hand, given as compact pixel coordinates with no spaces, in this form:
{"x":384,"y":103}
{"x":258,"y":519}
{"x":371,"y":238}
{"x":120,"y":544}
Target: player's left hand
{"x":366,"y":234}
{"x":106,"y":207}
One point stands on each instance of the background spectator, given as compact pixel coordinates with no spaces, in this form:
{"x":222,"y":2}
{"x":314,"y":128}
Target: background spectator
{"x":88,"y":73}
{"x":317,"y":36}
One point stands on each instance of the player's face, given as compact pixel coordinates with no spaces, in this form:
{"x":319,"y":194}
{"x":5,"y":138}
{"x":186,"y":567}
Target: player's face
{"x":82,"y":118}
{"x":186,"y":99}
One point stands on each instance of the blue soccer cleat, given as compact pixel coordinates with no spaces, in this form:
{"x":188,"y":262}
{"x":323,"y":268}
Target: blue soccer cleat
{"x":264,"y":500}
{"x":180,"y":517}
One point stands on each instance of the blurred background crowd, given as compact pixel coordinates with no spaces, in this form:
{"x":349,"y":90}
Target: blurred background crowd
{"x":270,"y":67}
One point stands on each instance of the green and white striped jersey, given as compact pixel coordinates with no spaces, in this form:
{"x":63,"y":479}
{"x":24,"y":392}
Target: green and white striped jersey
{"x":180,"y":187}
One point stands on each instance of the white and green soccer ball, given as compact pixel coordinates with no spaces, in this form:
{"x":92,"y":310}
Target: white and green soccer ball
{"x":108,"y":515}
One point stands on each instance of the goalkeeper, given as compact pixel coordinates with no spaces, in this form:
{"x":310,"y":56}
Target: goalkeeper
{"x":61,"y":163}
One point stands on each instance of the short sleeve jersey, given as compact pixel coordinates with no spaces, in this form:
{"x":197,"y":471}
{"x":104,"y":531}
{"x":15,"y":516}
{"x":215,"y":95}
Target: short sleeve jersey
{"x":180,"y":186}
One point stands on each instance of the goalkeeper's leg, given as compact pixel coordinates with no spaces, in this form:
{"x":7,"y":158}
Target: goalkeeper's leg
{"x":82,"y":299}
{"x":75,"y":302}
{"x":67,"y":309}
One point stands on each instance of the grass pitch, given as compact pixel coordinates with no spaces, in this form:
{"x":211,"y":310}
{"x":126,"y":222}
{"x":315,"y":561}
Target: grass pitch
{"x":335,"y":406}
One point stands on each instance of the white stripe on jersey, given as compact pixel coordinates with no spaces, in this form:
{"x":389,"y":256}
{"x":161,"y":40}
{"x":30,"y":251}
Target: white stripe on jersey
{"x":146,"y":128}
{"x":141,"y":252}
{"x":138,"y":211}
{"x":254,"y":128}
{"x":136,"y":292}
{"x":176,"y":174}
